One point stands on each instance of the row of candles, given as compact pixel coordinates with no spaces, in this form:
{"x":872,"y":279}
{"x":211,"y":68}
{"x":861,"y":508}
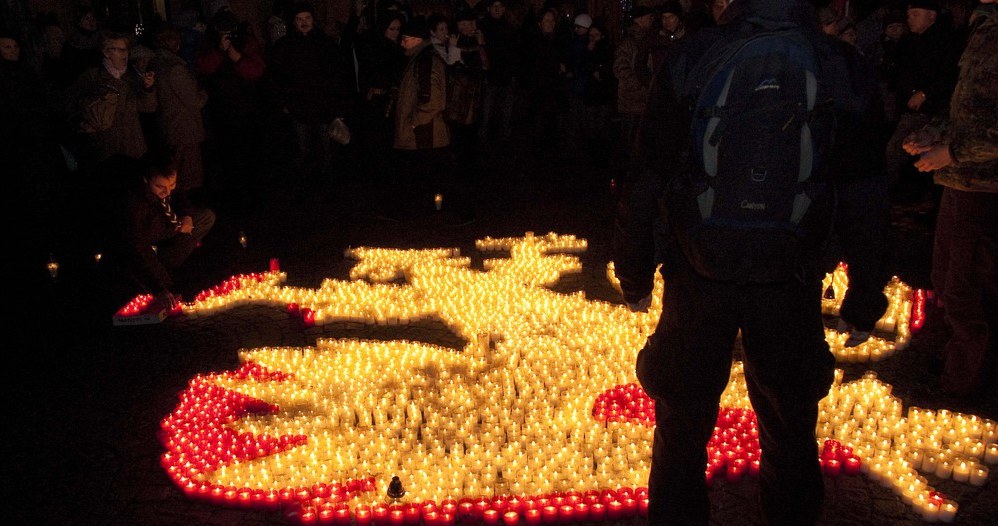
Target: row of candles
{"x":513,"y":410}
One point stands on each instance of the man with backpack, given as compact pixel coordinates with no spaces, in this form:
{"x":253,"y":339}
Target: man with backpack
{"x":732,"y":150}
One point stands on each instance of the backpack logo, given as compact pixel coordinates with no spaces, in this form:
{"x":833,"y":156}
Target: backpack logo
{"x":766,"y":84}
{"x":753,"y":206}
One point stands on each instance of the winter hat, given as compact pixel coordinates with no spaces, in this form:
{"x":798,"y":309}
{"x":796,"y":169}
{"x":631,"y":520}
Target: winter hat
{"x":583,"y":20}
{"x":466,"y":15}
{"x":894,"y":17}
{"x":671,"y":7}
{"x":416,"y":28}
{"x":301,"y":7}
{"x":639,"y":11}
{"x":931,"y":5}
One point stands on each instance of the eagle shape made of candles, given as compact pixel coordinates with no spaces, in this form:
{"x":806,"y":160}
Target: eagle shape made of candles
{"x":537,"y":418}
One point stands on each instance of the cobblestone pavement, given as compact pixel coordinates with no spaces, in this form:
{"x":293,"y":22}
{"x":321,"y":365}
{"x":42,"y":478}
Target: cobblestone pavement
{"x":89,"y":398}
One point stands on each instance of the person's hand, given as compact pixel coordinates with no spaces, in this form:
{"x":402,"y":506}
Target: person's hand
{"x":480,"y":37}
{"x":452,"y":39}
{"x":934,"y":158}
{"x":148,"y":79}
{"x":920,"y":141}
{"x":225,"y":43}
{"x":186,"y":224}
{"x":168,"y":300}
{"x":641,"y":305}
{"x":916,"y":100}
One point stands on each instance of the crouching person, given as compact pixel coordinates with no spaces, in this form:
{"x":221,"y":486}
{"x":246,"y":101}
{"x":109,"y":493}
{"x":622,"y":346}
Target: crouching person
{"x":158,"y":230}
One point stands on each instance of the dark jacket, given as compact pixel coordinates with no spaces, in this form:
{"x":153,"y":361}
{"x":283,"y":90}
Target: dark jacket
{"x":310,"y":77}
{"x":231,"y":86}
{"x":643,"y":238}
{"x":503,"y":44}
{"x":927,"y":63}
{"x":143,"y":224}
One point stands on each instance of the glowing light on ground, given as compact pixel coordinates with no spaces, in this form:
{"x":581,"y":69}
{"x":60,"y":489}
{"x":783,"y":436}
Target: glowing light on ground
{"x":536,"y":417}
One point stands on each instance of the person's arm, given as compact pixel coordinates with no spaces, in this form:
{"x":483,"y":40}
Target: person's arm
{"x":141,"y":233}
{"x":428,"y":108}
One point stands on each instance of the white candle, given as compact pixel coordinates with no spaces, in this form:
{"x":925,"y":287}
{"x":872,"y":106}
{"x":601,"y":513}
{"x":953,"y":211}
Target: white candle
{"x":929,"y":511}
{"x":948,"y":511}
{"x":979,"y":475}
{"x":991,"y":455}
{"x":944,"y":470}
{"x":961,"y":471}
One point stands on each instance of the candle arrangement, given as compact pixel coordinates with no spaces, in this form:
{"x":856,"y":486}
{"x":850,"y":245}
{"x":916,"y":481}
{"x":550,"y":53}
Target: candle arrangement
{"x":537,"y":418}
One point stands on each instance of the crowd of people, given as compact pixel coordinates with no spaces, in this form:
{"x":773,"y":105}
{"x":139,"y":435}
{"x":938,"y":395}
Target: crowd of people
{"x":150,"y":124}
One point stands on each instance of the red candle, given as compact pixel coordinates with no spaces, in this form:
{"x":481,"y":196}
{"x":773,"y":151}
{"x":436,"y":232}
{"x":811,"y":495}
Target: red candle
{"x":380,"y":514}
{"x":326,"y":516}
{"x":341,"y":517}
{"x":510,"y":518}
{"x":643,"y":506}
{"x":446,"y":519}
{"x":566,"y":514}
{"x":308,"y":516}
{"x":832,"y":467}
{"x":614,"y":510}
{"x":581,"y":511}
{"x":490,"y":517}
{"x":465,"y":509}
{"x":362,"y":514}
{"x":630,"y":507}
{"x":431,"y":518}
{"x":549,"y":514}
{"x":736,"y":469}
{"x":597,"y":512}
{"x":851,"y":466}
{"x":308,"y":317}
{"x":396,"y":517}
{"x":412,"y":515}
{"x":754,"y":466}
{"x":532,"y":516}
{"x":275,"y":265}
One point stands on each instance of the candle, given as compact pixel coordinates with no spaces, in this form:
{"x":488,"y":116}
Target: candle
{"x":614,"y":510}
{"x":852,"y":466}
{"x":832,"y":467}
{"x":929,"y":511}
{"x":991,"y":454}
{"x":947,"y":511}
{"x":396,"y":517}
{"x":944,"y":470}
{"x":532,"y":516}
{"x":362,"y":514}
{"x":490,"y":517}
{"x":961,"y":471}
{"x":510,"y":518}
{"x":549,"y":514}
{"x":979,"y":475}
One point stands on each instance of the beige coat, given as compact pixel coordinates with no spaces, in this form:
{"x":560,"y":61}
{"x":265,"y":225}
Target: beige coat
{"x":180,"y":100}
{"x":419,"y":113}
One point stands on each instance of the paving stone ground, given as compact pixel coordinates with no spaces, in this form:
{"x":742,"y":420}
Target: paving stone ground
{"x":87,"y":398}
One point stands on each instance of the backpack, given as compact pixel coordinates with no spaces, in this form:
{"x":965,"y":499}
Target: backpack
{"x":754,"y":206}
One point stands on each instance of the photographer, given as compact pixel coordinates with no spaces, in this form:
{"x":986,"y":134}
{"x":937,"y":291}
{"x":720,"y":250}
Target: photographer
{"x":230,"y":62}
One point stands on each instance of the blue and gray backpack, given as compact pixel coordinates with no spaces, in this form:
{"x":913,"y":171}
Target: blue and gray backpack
{"x":756,"y":203}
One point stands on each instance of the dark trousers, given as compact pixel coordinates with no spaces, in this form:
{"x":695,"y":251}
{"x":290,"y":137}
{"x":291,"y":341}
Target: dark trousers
{"x":685,"y":367}
{"x":965,"y":276}
{"x":175,"y":250}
